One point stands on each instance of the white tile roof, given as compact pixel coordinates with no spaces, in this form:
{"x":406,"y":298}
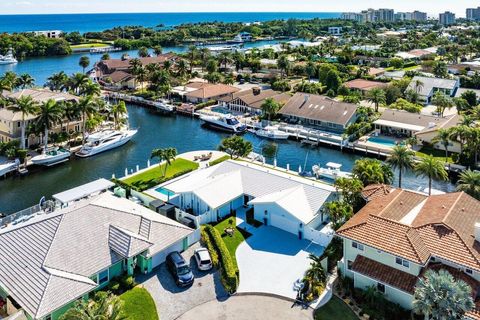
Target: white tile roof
{"x":46,"y":261}
{"x":83,"y":190}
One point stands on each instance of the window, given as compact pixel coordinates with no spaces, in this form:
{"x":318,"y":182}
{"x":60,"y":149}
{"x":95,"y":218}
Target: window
{"x":402,"y":262}
{"x":349,"y":264}
{"x":380,"y":287}
{"x":103,"y":277}
{"x":469,"y":271}
{"x":358,"y":246}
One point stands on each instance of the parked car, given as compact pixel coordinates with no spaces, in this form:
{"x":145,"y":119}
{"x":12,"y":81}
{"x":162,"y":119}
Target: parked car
{"x":204,"y":261}
{"x":180,"y":270}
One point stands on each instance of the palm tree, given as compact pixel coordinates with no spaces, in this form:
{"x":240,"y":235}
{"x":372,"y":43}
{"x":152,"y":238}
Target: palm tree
{"x":431,"y":168}
{"x":166,"y":155}
{"x":270,"y":108}
{"x":192,"y":54}
{"x":182,"y":67}
{"x":87,"y":108}
{"x":105,"y":306}
{"x":118,"y":110}
{"x":26,"y":106}
{"x":440,"y":296}
{"x":401,"y":158}
{"x":372,"y":171}
{"x":77,"y":81}
{"x":225,"y":58}
{"x":157,"y":50}
{"x":443,"y":137}
{"x":316,"y":273}
{"x":135,"y":65}
{"x":442,"y":102}
{"x":418,"y":85}
{"x":84,"y":62}
{"x":284,"y":65}
{"x":143,"y":52}
{"x":141,"y":75}
{"x":90,"y":88}
{"x":461,"y":134}
{"x":469,"y":182}
{"x":50,"y":113}
{"x":57,"y":81}
{"x":25,"y":80}
{"x":377,"y":97}
{"x":9,"y":81}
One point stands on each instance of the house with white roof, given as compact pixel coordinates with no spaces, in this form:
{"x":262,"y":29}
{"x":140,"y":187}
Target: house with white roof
{"x":278,"y":198}
{"x":426,"y":87}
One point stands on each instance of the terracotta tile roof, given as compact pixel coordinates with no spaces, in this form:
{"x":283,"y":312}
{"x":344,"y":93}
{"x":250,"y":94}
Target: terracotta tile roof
{"x":119,"y":76}
{"x":375,"y":191}
{"x":212,"y":91}
{"x":364,"y":85}
{"x":415,"y":227}
{"x":384,"y":274}
{"x":119,"y":64}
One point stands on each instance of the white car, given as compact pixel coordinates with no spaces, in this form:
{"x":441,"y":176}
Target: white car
{"x":204,"y":262}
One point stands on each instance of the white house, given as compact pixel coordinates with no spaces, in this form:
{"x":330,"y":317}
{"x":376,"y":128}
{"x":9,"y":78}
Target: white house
{"x":278,"y":198}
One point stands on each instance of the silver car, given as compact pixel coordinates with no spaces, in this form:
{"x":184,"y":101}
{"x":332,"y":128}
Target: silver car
{"x":204,"y":262}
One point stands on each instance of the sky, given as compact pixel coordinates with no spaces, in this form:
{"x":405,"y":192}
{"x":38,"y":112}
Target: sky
{"x":432,"y":7}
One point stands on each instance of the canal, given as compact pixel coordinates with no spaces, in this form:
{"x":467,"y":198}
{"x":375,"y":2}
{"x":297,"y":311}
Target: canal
{"x":156,"y":131}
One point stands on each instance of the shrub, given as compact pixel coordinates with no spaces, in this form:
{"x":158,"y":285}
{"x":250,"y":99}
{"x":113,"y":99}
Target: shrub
{"x":207,"y":241}
{"x":127,"y":282}
{"x":114,"y":287}
{"x":22,"y":154}
{"x":205,"y":104}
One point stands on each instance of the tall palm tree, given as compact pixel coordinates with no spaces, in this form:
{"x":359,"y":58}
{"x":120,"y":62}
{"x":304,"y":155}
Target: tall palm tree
{"x":192,"y":54}
{"x":316,"y":272}
{"x":9,"y":80}
{"x":105,"y":307}
{"x":166,"y":155}
{"x":431,"y":168}
{"x":438,"y":295}
{"x":284,"y":65}
{"x":90,"y":88}
{"x":418,"y":85}
{"x":50,"y":113}
{"x":469,"y":183}
{"x":84,"y":62}
{"x":87,"y":108}
{"x":26,"y":106}
{"x":157,"y":50}
{"x":118,"y":110}
{"x":270,"y":108}
{"x":77,"y":81}
{"x":25,"y":80}
{"x":182,"y":67}
{"x":443,"y":137}
{"x":372,"y":171}
{"x":442,"y":102}
{"x":401,"y":158}
{"x":57,"y":81}
{"x":135,"y":65}
{"x":461,"y":134}
{"x":377,"y":97}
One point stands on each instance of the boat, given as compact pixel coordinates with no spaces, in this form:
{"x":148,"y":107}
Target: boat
{"x":272,"y":133}
{"x":332,"y":171}
{"x":226,"y":122}
{"x":9,"y":166}
{"x":51,"y":157}
{"x":9,"y":58}
{"x":237,"y":39}
{"x":105,"y":140}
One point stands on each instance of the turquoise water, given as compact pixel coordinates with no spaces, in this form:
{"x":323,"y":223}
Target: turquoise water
{"x":103,"y":21}
{"x":385,"y":142}
{"x":220,"y":110}
{"x":164,"y":191}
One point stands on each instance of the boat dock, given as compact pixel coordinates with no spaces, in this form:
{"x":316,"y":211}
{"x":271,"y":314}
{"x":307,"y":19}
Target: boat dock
{"x":161,"y":106}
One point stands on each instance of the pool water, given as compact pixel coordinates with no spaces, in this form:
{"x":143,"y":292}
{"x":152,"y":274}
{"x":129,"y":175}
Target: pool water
{"x":220,"y":110}
{"x":164,"y":191}
{"x":382,"y":141}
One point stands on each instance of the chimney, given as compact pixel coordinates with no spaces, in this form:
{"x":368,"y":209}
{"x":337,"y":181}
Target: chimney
{"x":477,"y":231}
{"x":256,"y":91}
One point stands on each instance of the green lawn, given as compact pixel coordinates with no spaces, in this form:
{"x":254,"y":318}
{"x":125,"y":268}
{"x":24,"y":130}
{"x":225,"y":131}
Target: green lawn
{"x":437,"y":154}
{"x":234,"y":241}
{"x":219,"y":160}
{"x":89,"y":45}
{"x":335,"y":309}
{"x":155,"y":175}
{"x":139,"y":305}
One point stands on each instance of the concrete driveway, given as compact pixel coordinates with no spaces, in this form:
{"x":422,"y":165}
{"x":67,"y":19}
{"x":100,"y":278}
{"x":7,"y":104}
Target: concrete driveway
{"x":271,"y":260}
{"x":172,"y":301}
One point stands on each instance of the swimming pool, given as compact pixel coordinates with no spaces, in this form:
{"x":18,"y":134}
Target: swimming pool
{"x":386,"y":142}
{"x":164,"y":191}
{"x":220,"y":109}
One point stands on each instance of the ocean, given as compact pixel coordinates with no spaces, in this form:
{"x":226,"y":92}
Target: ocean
{"x":103,"y":21}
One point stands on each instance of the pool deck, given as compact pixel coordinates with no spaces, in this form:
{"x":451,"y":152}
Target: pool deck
{"x":373,"y":147}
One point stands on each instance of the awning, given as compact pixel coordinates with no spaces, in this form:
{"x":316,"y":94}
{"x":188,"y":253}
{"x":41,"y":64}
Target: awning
{"x":399,"y":125}
{"x":83,"y":191}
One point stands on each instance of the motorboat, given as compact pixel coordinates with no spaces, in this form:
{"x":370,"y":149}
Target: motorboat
{"x":51,"y":157}
{"x":9,"y":58}
{"x":9,"y":166}
{"x":331,"y":171}
{"x":105,"y":140}
{"x":163,"y":106}
{"x":272,"y":133}
{"x":226,"y":122}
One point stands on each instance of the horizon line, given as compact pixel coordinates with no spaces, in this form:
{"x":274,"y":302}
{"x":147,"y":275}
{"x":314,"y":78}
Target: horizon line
{"x":159,"y":12}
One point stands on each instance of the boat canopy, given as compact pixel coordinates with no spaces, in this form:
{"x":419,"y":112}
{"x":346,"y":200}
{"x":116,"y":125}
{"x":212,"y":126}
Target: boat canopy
{"x":83,"y":191}
{"x":334,"y":165}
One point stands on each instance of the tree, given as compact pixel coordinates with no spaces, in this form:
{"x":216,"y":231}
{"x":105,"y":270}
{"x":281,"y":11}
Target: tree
{"x":84,"y":62}
{"x":157,"y":50}
{"x":87,"y":108}
{"x":105,"y":56}
{"x":351,"y":189}
{"x":284,"y":65}
{"x":270,"y":107}
{"x":471,"y":97}
{"x":469,"y":182}
{"x":333,"y":81}
{"x":401,"y":158}
{"x":439,"y":296}
{"x":49,"y":114}
{"x":118,"y":110}
{"x":431,"y":168}
{"x":442,"y":102}
{"x":143,"y":52}
{"x":316,"y":273}
{"x":440,"y":69}
{"x":57,"y":81}
{"x":26,"y":106}
{"x":418,"y":85}
{"x":377,"y":97}
{"x":25,"y":81}
{"x":461,"y":134}
{"x":212,"y":66}
{"x":166,"y":155}
{"x":372,"y":171}
{"x":104,"y":306}
{"x":76,"y":82}
{"x":236,"y":147}
{"x":443,"y":137}
{"x":90,"y":88}
{"x":339,"y":212}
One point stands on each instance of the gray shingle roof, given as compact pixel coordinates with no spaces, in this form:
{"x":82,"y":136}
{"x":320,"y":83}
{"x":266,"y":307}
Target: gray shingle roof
{"x":429,"y":83}
{"x":126,"y":243}
{"x":47,"y":261}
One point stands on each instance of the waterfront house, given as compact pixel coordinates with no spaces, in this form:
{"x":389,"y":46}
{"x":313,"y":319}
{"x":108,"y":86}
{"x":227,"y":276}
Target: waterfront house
{"x":428,"y":86}
{"x":391,"y":242}
{"x":319,"y":112}
{"x":364,"y":86}
{"x":250,"y":101}
{"x":57,"y":258}
{"x":203,"y":92}
{"x":279,"y":199}
{"x":10,"y":122}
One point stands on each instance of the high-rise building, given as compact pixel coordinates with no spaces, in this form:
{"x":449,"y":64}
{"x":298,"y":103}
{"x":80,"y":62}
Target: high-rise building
{"x":419,"y":16}
{"x":473,"y":14}
{"x":387,"y":15}
{"x":447,"y":18}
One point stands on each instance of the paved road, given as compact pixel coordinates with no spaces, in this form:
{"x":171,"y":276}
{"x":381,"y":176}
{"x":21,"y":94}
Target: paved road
{"x":172,"y":301}
{"x":249,"y":307}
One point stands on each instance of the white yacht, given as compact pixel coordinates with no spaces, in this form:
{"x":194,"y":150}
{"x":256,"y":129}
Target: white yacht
{"x":51,"y":157}
{"x":9,"y":58}
{"x":272,"y":133}
{"x":332,"y":171}
{"x":9,"y":166}
{"x":105,"y":140}
{"x":225,"y":122}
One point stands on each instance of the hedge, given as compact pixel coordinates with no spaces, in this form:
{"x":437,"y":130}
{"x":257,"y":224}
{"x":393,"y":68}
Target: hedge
{"x":211,"y":249}
{"x":229,"y":274}
{"x":219,"y":160}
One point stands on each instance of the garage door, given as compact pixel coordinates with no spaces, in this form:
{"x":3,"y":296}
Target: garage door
{"x":283,"y":223}
{"x":160,"y":257}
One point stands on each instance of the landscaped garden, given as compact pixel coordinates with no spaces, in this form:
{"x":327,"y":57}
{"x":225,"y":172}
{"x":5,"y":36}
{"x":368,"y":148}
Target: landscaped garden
{"x":139,"y":305}
{"x":234,"y":239}
{"x":437,"y":154}
{"x":157,"y":174}
{"x":335,"y":309}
